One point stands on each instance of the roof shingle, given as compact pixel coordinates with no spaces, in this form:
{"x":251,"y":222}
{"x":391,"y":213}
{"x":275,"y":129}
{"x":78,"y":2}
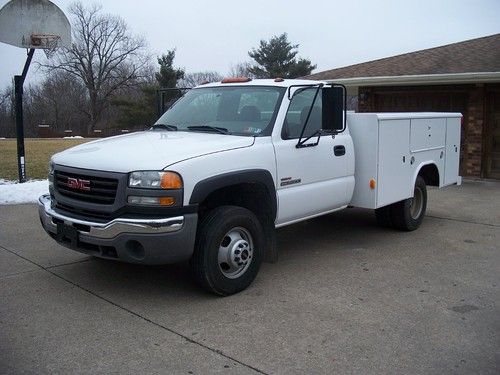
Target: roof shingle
{"x":470,"y":56}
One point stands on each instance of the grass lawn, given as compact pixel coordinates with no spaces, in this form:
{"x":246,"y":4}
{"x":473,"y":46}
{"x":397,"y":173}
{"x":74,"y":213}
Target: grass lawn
{"x":38,"y":153}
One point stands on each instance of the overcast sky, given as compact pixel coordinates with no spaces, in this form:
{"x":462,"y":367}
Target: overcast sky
{"x":215,"y":34}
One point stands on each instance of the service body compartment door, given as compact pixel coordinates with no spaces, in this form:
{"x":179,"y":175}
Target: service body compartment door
{"x":394,"y":172}
{"x":427,"y":134}
{"x":452,"y":151}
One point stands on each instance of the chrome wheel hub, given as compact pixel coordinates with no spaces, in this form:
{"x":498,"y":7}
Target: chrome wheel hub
{"x":417,"y":203}
{"x":235,"y":252}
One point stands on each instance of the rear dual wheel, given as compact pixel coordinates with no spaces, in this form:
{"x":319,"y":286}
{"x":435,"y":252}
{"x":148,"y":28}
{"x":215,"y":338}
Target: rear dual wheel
{"x":408,"y":214}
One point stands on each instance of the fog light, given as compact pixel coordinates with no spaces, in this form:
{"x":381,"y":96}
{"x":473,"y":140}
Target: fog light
{"x":135,"y":249}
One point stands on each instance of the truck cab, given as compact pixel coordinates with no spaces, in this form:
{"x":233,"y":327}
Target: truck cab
{"x":232,"y":161}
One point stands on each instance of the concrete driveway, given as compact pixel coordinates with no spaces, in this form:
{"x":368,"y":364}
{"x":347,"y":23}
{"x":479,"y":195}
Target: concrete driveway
{"x":345,"y":297}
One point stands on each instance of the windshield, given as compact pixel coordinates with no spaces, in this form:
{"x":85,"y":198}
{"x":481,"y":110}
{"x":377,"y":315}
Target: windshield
{"x":238,"y":110}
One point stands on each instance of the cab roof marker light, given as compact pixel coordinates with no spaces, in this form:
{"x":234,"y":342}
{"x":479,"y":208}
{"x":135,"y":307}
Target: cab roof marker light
{"x":236,"y":80}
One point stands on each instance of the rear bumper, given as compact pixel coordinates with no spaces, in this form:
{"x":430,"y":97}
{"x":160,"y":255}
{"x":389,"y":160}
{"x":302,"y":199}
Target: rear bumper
{"x":145,"y":241}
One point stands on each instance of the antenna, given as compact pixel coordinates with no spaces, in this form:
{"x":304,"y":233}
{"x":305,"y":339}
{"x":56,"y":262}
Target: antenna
{"x":31,"y":24}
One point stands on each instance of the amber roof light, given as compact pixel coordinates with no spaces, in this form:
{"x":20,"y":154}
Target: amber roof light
{"x":236,"y":80}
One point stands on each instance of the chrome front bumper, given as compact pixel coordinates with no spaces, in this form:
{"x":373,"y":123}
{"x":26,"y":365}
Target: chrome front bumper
{"x":108,"y":230}
{"x":144,"y":241}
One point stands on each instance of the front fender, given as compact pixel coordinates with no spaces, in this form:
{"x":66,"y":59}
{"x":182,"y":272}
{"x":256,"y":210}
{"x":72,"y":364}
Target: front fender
{"x":252,"y":176}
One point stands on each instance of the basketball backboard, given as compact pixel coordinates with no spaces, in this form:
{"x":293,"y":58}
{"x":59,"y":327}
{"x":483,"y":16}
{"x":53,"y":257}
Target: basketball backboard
{"x":36,"y":24}
{"x":31,"y":24}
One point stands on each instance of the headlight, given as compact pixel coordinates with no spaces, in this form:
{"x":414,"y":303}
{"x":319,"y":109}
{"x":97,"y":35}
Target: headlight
{"x":155,"y":180}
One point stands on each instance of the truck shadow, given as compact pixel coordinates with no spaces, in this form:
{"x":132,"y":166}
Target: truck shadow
{"x":352,"y":227}
{"x":330,"y":235}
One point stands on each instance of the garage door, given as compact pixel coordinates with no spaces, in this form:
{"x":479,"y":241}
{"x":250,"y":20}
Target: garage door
{"x":492,"y":154}
{"x":420,"y":101}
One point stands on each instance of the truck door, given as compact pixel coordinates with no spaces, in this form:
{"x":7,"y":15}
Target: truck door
{"x":316,"y":179}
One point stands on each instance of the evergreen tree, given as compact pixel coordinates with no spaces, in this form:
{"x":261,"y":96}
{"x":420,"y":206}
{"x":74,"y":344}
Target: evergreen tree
{"x":168,"y":75}
{"x":278,"y":58}
{"x":137,"y":110}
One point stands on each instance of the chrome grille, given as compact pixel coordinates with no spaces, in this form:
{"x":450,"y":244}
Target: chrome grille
{"x":101,"y":190}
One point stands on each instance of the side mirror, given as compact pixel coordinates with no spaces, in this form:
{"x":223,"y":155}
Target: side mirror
{"x":334,"y":106}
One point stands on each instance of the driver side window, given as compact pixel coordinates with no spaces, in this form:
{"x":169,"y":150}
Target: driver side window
{"x":297,"y":114}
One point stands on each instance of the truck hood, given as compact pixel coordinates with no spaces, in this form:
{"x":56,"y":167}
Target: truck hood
{"x":148,"y":150}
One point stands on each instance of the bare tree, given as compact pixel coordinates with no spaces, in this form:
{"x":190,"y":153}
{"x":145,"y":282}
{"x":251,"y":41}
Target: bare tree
{"x":104,"y":55}
{"x":58,"y":101}
{"x":6,"y":113}
{"x":5,"y":96}
{"x":241,"y":70}
{"x":195,"y":79}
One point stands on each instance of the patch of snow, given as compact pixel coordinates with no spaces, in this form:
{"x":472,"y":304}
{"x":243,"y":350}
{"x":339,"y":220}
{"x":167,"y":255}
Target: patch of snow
{"x":2,"y":137}
{"x":73,"y":136}
{"x":7,"y":182}
{"x":12,"y":192}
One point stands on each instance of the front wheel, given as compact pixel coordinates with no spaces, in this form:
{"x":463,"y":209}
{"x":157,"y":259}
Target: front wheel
{"x":228,"y":250}
{"x":408,"y":214}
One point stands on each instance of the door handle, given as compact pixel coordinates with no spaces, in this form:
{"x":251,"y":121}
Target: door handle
{"x":339,"y":150}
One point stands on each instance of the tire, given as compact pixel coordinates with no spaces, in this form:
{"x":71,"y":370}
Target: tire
{"x":228,"y":250}
{"x":408,"y":214}
{"x":383,"y":216}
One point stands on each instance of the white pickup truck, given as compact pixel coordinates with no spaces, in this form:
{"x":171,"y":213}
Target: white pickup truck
{"x":231,"y":161}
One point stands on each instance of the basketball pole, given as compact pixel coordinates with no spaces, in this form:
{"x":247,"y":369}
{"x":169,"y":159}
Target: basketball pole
{"x":18,"y":90}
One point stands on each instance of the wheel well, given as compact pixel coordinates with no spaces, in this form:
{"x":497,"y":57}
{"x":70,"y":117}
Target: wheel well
{"x":252,"y":196}
{"x":430,"y":174}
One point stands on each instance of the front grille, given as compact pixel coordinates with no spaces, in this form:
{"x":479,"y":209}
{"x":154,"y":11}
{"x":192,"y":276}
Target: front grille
{"x":102,"y":190}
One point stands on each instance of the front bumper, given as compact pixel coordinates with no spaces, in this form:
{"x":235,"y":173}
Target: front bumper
{"x":144,"y":240}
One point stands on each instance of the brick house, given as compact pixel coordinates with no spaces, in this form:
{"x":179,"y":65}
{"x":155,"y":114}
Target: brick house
{"x":461,"y":77}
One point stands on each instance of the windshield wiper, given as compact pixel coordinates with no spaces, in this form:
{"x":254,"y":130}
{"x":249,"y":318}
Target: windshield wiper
{"x":164,"y":126}
{"x":209,"y":128}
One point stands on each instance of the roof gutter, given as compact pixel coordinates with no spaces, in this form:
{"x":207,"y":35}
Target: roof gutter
{"x":422,"y":79}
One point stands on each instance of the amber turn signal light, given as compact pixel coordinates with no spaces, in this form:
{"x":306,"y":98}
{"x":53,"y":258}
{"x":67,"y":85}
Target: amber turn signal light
{"x":171,"y":180}
{"x":166,"y":201}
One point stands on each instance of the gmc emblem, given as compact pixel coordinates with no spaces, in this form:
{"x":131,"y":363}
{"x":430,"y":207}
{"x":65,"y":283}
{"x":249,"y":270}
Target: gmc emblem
{"x":78,"y":184}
